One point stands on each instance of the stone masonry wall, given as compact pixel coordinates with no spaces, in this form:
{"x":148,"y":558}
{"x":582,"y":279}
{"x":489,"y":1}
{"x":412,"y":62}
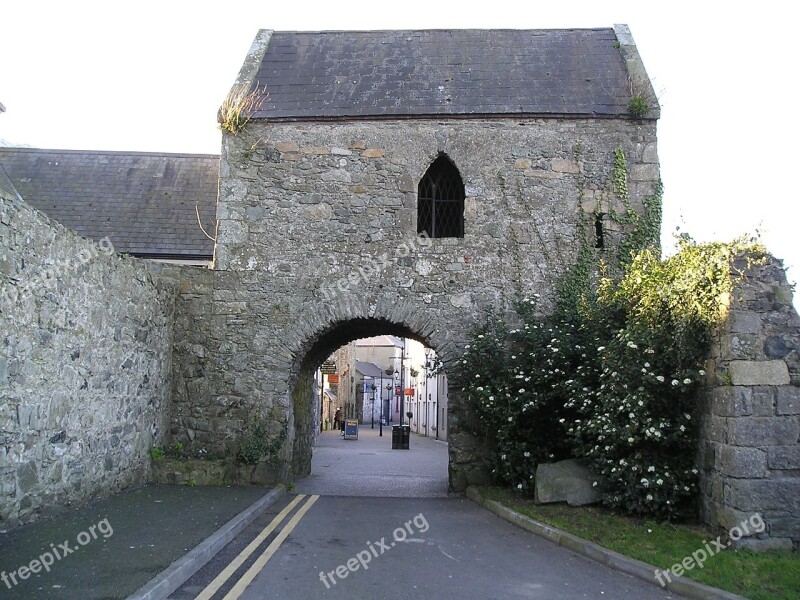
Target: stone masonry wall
{"x":750,"y":440}
{"x":317,"y":244}
{"x":196,"y":334}
{"x":85,"y":355}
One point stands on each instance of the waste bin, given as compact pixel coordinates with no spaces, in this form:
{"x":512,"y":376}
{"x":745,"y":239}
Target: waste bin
{"x":397,"y":437}
{"x":406,"y":436}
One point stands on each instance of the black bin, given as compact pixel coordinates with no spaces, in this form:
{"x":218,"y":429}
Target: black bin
{"x":397,"y":437}
{"x":406,"y":436}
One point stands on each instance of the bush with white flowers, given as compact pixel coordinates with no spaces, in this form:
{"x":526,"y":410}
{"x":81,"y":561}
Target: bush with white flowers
{"x":612,"y":377}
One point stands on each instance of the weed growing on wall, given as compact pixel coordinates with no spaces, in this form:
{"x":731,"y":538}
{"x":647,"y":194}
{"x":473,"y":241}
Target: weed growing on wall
{"x":260,"y":440}
{"x":238,"y":107}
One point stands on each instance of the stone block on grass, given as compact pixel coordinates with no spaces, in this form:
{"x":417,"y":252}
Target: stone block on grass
{"x":567,"y":481}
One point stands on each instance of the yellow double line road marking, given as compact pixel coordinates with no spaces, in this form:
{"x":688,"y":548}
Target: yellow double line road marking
{"x":256,"y":567}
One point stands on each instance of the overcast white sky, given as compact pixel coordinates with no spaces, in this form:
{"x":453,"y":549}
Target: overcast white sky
{"x":150,"y":75}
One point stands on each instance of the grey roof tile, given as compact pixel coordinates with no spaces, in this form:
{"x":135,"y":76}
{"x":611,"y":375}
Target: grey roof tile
{"x":144,"y":202}
{"x":443,"y":72}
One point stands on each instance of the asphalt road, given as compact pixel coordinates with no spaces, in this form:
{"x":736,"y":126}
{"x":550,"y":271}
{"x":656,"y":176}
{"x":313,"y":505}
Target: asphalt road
{"x":393,"y":548}
{"x":382,"y":542}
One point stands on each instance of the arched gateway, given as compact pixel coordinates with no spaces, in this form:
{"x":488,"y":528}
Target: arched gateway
{"x":331,"y":225}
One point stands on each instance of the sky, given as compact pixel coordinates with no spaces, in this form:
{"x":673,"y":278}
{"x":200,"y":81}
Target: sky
{"x":149,"y":76}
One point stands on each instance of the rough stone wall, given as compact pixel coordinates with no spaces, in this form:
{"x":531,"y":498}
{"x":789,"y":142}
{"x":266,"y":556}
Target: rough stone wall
{"x":750,"y":436}
{"x":85,"y":354}
{"x":197,"y":335}
{"x":317,"y":244}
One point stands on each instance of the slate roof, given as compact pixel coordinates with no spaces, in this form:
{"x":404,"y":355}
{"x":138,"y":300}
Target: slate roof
{"x":341,"y":74}
{"x":369,"y":369}
{"x":7,"y":189}
{"x":144,"y":202}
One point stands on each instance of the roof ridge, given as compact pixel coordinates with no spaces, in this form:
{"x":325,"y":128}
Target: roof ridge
{"x":442,"y":29}
{"x":106,"y":152}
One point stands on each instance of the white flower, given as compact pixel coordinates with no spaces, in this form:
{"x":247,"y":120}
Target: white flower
{"x":526,"y":454}
{"x":594,"y":484}
{"x":601,"y":348}
{"x":502,"y":456}
{"x":651,"y":469}
{"x":519,"y":486}
{"x":561,"y":420}
{"x":491,"y":398}
{"x":645,"y":482}
{"x":649,"y":497}
{"x":521,"y":390}
{"x":675,"y":382}
{"x":480,"y":337}
{"x":630,"y":440}
{"x":480,"y":389}
{"x":467,"y":346}
{"x":477,"y":375}
{"x":687,"y":381}
{"x":632,"y":345}
{"x":647,"y":364}
{"x":701,"y":372}
{"x":510,"y":419}
{"x":659,"y":481}
{"x":660,"y":378}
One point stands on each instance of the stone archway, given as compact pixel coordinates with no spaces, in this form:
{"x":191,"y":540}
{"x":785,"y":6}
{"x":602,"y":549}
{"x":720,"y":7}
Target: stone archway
{"x":318,"y":242}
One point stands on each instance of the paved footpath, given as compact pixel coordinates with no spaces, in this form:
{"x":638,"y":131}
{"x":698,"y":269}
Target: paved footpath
{"x":110,"y":548}
{"x":369,"y":467}
{"x":372,"y":522}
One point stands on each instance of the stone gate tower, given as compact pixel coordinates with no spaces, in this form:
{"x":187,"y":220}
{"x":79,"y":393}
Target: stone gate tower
{"x":403,"y":182}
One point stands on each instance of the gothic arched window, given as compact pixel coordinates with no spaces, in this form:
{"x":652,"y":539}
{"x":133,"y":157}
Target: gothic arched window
{"x":440,"y":201}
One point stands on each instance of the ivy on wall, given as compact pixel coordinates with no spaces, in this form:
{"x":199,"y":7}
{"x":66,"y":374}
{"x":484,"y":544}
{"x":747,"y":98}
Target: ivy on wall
{"x":610,"y":375}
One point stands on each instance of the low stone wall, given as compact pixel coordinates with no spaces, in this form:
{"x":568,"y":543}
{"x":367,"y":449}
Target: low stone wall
{"x":85,"y":365}
{"x":750,"y":436}
{"x":188,"y":471}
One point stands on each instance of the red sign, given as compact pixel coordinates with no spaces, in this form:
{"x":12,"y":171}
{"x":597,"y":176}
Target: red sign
{"x":409,"y":391}
{"x":333,"y":378}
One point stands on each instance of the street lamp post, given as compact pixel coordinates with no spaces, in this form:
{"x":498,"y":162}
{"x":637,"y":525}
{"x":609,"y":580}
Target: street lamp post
{"x":402,"y":387}
{"x":373,"y":406}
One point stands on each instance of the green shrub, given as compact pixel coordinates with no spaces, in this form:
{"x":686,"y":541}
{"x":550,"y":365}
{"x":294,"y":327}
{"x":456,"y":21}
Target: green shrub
{"x":611,"y":377}
{"x":638,"y":106}
{"x":261,"y":440}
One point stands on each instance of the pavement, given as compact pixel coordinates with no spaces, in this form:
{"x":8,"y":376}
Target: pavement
{"x":368,"y":466}
{"x":361,"y":500}
{"x":113,"y":547}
